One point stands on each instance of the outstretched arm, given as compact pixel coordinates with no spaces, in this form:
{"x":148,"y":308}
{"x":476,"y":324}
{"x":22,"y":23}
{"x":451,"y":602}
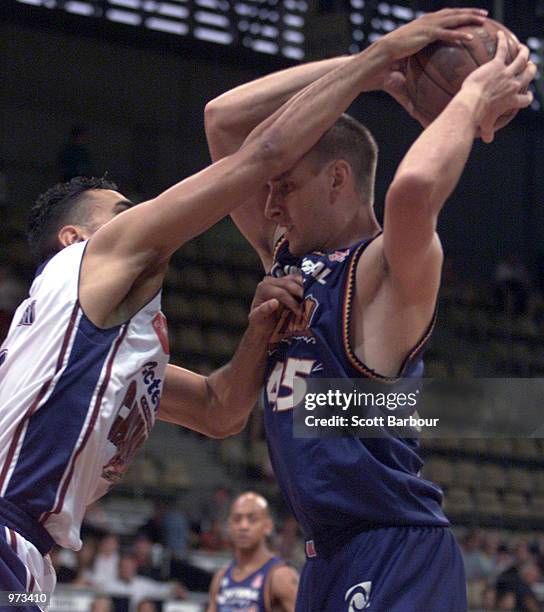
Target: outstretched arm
{"x":136,"y":245}
{"x":230,"y":117}
{"x":219,"y":405}
{"x":432,"y":167}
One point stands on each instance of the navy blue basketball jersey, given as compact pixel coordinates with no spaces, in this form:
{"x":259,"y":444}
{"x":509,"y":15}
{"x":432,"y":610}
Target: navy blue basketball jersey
{"x":334,"y":485}
{"x":245,"y":595}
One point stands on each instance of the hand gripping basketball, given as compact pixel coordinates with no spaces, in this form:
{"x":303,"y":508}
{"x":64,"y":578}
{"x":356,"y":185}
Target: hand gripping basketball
{"x":502,"y":86}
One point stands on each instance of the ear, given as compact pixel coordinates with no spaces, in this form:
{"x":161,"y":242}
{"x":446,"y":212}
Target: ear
{"x":340,"y":176}
{"x":70,"y":234}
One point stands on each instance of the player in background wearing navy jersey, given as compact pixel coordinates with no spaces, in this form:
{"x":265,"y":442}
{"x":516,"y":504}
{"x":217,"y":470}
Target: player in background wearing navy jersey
{"x":256,"y":581}
{"x":377,"y":538}
{"x":85,"y":360}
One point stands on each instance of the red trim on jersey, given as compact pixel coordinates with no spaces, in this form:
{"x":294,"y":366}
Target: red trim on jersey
{"x":96,"y":409}
{"x":43,"y":390}
{"x":32,"y":583}
{"x":12,"y":540}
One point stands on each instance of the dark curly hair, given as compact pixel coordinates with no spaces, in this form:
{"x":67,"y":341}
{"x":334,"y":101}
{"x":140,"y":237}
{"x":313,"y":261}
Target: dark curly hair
{"x":58,"y":206}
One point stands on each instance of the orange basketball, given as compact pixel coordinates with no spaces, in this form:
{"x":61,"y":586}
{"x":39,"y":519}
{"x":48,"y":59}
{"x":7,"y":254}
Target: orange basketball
{"x":435,"y":74}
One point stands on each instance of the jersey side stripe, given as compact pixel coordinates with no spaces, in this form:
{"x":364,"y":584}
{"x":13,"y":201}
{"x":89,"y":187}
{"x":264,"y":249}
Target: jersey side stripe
{"x":96,"y":409}
{"x":39,"y":398}
{"x":54,"y":430}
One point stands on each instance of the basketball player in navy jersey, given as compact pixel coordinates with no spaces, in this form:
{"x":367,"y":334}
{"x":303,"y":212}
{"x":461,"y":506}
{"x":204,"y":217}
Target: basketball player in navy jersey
{"x":83,"y":370}
{"x":376,"y":534}
{"x":256,"y":581}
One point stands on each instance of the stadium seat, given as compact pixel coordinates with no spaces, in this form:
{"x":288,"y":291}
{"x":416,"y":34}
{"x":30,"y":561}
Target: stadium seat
{"x":439,"y":470}
{"x":515,"y":505}
{"x":519,"y":480}
{"x":488,"y":503}
{"x":467,"y":473}
{"x":500,"y":447}
{"x":492,"y":476}
{"x":190,"y":339}
{"x":458,"y":500}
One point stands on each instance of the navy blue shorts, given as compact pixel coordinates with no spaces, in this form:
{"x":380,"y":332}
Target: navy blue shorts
{"x":13,"y":574}
{"x":389,"y":569}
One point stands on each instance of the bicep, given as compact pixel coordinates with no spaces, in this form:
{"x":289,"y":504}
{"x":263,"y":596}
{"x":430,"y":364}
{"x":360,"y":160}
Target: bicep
{"x":411,"y":247}
{"x":284,"y":588}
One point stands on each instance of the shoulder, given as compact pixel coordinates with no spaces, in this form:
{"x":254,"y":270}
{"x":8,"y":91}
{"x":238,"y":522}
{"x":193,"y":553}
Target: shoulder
{"x":217,"y":578}
{"x":282,"y":578}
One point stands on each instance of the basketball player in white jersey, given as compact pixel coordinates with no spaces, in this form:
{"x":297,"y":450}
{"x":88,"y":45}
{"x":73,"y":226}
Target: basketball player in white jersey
{"x":256,"y":580}
{"x":85,"y":361}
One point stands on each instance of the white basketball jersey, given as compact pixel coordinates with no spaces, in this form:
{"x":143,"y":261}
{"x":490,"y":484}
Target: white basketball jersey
{"x":76,"y":401}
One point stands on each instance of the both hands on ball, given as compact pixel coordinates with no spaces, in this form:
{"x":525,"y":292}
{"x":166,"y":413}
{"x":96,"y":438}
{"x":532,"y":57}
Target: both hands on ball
{"x":503,"y":87}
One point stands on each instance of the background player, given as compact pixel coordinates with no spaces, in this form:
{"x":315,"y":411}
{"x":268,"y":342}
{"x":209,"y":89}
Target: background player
{"x":375,"y":530}
{"x":87,"y":352}
{"x":256,"y":581}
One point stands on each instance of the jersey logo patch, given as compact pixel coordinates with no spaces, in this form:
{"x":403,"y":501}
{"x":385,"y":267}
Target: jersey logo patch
{"x":3,"y":355}
{"x":291,"y":324}
{"x":257,"y":582}
{"x":161,"y":329}
{"x":339,"y":255}
{"x":29,"y":314}
{"x":358,"y":596}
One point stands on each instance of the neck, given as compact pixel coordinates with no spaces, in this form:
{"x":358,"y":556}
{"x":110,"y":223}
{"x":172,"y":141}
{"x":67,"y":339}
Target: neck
{"x":246,"y":559}
{"x":360,"y":224}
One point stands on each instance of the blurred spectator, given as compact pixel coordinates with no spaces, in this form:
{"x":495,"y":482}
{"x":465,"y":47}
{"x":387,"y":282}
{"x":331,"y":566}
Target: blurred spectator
{"x":511,"y":285}
{"x":74,"y":158}
{"x":507,"y":601}
{"x":213,"y":539}
{"x":147,"y":565}
{"x":169,"y":527}
{"x":520,"y":581}
{"x":85,"y":561}
{"x":146,"y":606}
{"x":64,"y":573}
{"x":137,"y":588}
{"x":289,"y":543}
{"x":477,"y":566}
{"x":489,"y":599}
{"x":102,"y":603}
{"x":106,"y":560}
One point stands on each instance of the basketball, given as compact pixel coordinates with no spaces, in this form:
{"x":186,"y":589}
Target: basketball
{"x":435,"y":74}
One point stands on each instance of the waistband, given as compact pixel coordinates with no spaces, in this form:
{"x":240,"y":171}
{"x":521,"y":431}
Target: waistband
{"x":13,"y":517}
{"x":327,"y":544}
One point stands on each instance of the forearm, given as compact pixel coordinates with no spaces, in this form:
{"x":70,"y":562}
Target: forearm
{"x":234,"y":389}
{"x":295,"y":127}
{"x":230,"y":117}
{"x":433,"y":165}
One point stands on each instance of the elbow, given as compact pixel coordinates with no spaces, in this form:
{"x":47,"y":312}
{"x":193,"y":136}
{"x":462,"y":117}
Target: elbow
{"x":271,"y":154}
{"x":409,"y":190}
{"x":212,"y":117}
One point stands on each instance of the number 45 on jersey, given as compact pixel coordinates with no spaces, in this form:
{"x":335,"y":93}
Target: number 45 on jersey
{"x":280,"y":388}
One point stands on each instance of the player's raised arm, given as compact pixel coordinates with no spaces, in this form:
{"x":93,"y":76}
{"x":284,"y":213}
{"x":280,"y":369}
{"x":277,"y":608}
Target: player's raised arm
{"x":230,"y":117}
{"x":219,"y":405}
{"x":137,"y":244}
{"x":433,"y":165}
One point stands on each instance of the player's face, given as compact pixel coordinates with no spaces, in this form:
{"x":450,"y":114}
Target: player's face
{"x":298,"y":201}
{"x":106,"y":205}
{"x":249,"y":524}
